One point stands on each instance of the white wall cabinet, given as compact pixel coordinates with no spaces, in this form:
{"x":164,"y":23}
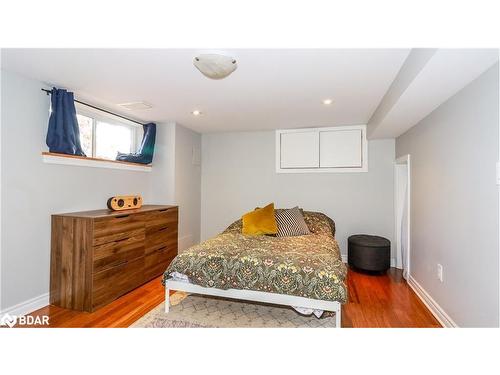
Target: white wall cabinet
{"x":333,"y":150}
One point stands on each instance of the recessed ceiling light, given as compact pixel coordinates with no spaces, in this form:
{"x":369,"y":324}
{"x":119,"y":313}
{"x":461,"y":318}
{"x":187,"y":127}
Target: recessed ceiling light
{"x":327,"y":101}
{"x":196,"y":113}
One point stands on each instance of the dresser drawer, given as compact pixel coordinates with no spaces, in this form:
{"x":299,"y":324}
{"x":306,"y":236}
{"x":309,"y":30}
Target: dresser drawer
{"x":158,"y":220}
{"x":114,"y":253}
{"x":116,"y":228}
{"x":157,"y":240}
{"x":157,"y":262}
{"x":114,"y":282}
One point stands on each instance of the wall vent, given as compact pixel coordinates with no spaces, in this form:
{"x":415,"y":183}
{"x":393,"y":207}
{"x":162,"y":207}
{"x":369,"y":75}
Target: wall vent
{"x":136,"y":106}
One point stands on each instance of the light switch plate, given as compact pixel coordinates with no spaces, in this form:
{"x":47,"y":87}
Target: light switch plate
{"x":440,"y":272}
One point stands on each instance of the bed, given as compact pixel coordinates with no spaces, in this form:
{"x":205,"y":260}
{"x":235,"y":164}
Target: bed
{"x":301,"y":271}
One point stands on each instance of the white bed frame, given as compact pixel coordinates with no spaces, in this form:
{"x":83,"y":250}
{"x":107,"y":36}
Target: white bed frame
{"x":252,"y":295}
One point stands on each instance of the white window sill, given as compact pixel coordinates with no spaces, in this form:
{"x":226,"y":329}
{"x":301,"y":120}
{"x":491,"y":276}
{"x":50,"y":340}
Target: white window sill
{"x":81,"y":161}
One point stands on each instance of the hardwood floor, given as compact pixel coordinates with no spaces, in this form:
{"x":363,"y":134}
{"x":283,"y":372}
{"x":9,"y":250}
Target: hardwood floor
{"x":118,"y":314}
{"x":374,"y":301}
{"x":384,"y":301}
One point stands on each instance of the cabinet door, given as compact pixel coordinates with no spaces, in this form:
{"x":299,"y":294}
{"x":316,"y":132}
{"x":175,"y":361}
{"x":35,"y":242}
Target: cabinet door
{"x":300,"y":149}
{"x":341,"y":149}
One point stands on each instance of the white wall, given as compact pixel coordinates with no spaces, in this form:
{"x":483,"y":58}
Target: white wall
{"x":163,"y":172}
{"x":32,"y":190}
{"x":187,"y":185}
{"x":177,"y":179}
{"x":454,"y":200}
{"x":238,"y":174}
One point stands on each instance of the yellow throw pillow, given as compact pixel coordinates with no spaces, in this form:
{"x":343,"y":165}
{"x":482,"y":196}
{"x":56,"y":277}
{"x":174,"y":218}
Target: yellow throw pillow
{"x":260,"y":221}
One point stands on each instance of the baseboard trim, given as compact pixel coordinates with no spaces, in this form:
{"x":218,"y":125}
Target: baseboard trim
{"x":436,"y":310}
{"x":28,"y":306}
{"x":344,"y":260}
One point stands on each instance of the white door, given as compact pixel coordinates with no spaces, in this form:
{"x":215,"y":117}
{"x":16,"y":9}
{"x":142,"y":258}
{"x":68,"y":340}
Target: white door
{"x":402,"y":213}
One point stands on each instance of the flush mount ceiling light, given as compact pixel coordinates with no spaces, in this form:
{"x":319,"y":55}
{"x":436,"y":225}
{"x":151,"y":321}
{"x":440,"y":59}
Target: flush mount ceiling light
{"x":196,"y":113}
{"x":215,"y":66}
{"x":327,"y":101}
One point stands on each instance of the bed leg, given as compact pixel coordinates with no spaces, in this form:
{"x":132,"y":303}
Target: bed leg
{"x":167,"y":300}
{"x":338,"y":315}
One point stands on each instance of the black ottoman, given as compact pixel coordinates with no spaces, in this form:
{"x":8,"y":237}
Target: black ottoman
{"x":369,"y":253}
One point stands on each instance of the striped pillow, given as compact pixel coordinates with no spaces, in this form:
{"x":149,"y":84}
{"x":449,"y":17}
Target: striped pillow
{"x":291,"y":223}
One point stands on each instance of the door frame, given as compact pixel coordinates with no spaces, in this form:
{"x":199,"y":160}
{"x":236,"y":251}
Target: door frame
{"x":403,"y":160}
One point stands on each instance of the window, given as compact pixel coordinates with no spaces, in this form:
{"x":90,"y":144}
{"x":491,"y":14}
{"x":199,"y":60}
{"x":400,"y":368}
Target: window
{"x":86,"y":128}
{"x":103,"y":136}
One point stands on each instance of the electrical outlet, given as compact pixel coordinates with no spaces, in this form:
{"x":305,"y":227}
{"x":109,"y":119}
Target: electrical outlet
{"x":440,"y":272}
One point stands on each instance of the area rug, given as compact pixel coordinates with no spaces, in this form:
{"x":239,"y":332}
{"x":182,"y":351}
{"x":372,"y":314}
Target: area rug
{"x":196,"y":311}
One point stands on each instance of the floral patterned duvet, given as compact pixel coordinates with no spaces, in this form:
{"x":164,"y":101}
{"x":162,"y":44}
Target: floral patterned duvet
{"x":308,"y":266}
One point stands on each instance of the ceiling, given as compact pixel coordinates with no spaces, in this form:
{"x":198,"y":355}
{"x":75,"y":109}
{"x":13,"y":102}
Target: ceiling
{"x":427,"y":79}
{"x":271,"y":89}
{"x":390,"y":90}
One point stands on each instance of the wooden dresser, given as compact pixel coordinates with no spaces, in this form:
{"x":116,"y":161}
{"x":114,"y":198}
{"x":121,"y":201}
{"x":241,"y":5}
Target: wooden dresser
{"x":97,"y":256}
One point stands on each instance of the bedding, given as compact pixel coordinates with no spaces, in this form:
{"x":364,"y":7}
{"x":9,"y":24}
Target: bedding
{"x":308,"y":266}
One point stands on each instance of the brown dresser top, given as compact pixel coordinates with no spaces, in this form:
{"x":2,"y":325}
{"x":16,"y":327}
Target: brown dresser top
{"x":111,"y":213}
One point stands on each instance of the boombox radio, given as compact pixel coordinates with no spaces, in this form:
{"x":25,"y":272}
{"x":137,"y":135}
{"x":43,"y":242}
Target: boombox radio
{"x":124,"y":202}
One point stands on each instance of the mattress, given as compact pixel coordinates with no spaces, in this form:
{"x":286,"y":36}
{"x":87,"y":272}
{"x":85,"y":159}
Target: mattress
{"x":308,"y":266}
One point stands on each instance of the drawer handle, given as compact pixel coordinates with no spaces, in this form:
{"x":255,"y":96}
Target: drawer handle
{"x":121,"y":240}
{"x":162,"y":229}
{"x":163,"y":210}
{"x":121,"y":216}
{"x":162,"y":249}
{"x":120,"y":263}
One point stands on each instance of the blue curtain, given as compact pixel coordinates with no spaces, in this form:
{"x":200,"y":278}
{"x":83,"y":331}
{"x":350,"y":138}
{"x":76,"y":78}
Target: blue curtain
{"x":63,"y":135}
{"x":145,"y":152}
